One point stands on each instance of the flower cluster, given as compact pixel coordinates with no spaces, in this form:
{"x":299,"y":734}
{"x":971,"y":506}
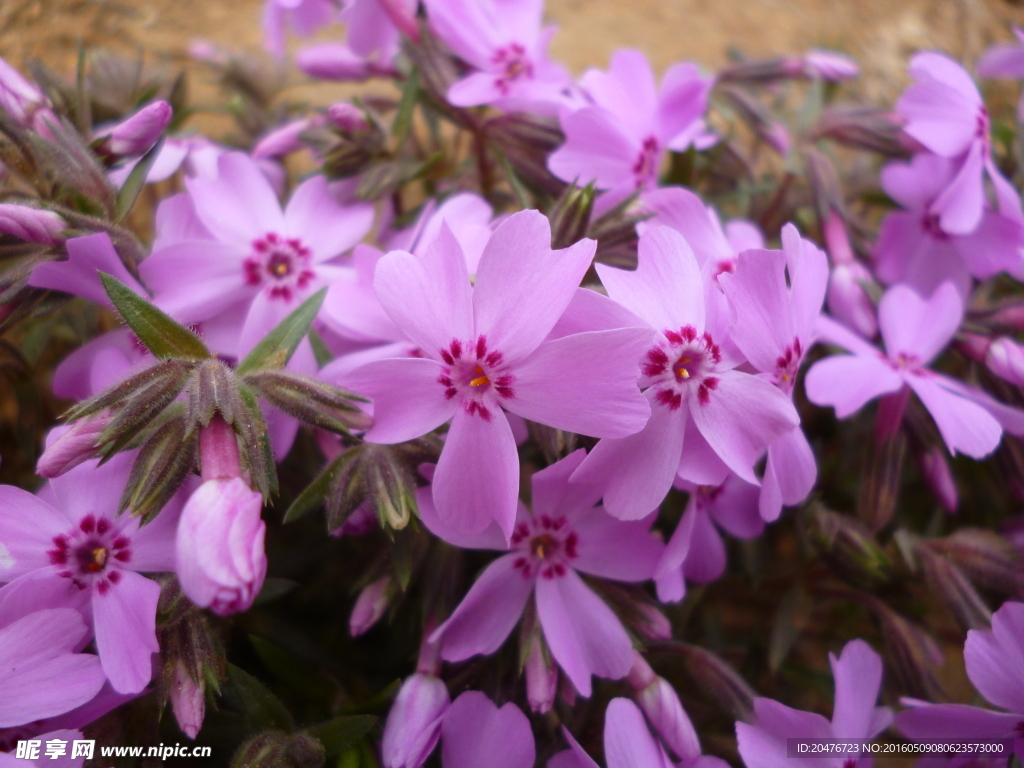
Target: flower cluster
{"x":554,"y":355}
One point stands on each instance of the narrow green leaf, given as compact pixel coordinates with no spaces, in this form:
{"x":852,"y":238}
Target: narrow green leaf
{"x":342,"y":732}
{"x":254,"y":445}
{"x":129,"y":191}
{"x":406,"y":105}
{"x":320,"y":350}
{"x":162,"y":336}
{"x":254,"y":700}
{"x":315,"y":493}
{"x":279,"y":345}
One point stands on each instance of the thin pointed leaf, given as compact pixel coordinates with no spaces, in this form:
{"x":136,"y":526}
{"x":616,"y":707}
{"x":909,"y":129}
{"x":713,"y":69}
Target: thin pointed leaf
{"x":315,"y":493}
{"x":162,"y":335}
{"x":406,"y":106}
{"x":254,"y":443}
{"x":129,"y":191}
{"x":279,"y":345}
{"x":342,"y":732}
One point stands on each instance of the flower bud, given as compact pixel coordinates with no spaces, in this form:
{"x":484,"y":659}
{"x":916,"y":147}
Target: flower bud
{"x":939,"y":477}
{"x":137,"y":134}
{"x":948,"y":582}
{"x":348,"y":118}
{"x":370,"y":606}
{"x":413,"y":726}
{"x":651,"y":623}
{"x":848,"y":546}
{"x":570,"y":216}
{"x":752,"y":112}
{"x":541,"y":676}
{"x":218,"y":450}
{"x":33,"y":225}
{"x":76,"y":444}
{"x":987,"y":558}
{"x":188,"y":701}
{"x":19,"y":97}
{"x":363,"y":520}
{"x":335,"y":61}
{"x":830,"y":66}
{"x":664,"y":711}
{"x":282,"y":141}
{"x":848,"y":300}
{"x":863,"y":128}
{"x":220,"y":559}
{"x":1005,"y":358}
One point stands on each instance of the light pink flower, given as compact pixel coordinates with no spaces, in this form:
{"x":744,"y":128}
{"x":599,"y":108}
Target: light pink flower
{"x":475,"y":733}
{"x":304,"y":17}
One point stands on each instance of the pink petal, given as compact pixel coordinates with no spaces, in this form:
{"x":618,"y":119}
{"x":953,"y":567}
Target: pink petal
{"x":476,"y":733}
{"x":125,"y":621}
{"x":705,"y":560}
{"x":428,"y":297}
{"x":995,"y":659}
{"x":77,"y":275}
{"x":91,"y":488}
{"x":612,"y":549}
{"x":678,"y":546}
{"x":1006,"y":60}
{"x":153,"y":543}
{"x":858,"y":678}
{"x":699,"y":464}
{"x":743,"y":416}
{"x":847,"y":382}
{"x":759,"y":297}
{"x":476,"y":89}
{"x":666,"y":289}
{"x":370,"y":30}
{"x":965,"y":426}
{"x":553,"y":494}
{"x":831,"y":332}
{"x":637,"y":471}
{"x":176,"y":221}
{"x":487,"y":614}
{"x":791,"y":463}
{"x":683,"y":101}
{"x":941,"y":108}
{"x":585,"y":637}
{"x":407,"y":399}
{"x":351,"y":309}
{"x":940,"y":721}
{"x":994,"y":247}
{"x":960,"y":205}
{"x":477,"y":477}
{"x":239,"y":205}
{"x":764,"y":745}
{"x":735,"y":508}
{"x":491,"y":537}
{"x":574,"y":757}
{"x":28,"y":526}
{"x":681,"y":210}
{"x":38,"y":589}
{"x":596,"y":150}
{"x":628,"y":742}
{"x":916,"y":326}
{"x":627,"y":90}
{"x":592,"y":311}
{"x":194,"y":280}
{"x":916,"y":183}
{"x":585,"y":383}
{"x":522,"y":286}
{"x":329,"y":228}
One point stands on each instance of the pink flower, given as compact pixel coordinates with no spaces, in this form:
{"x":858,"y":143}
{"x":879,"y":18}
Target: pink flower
{"x":505,"y":43}
{"x":42,"y":674}
{"x":260,"y":262}
{"x":34,"y":225}
{"x":1005,"y":358}
{"x":858,"y":677}
{"x":728,"y":418}
{"x":1006,"y":60}
{"x":915,"y":331}
{"x":485,"y":350}
{"x":914,"y":249}
{"x":564,"y":534}
{"x":304,"y":17}
{"x":68,"y":547}
{"x":414,"y":723}
{"x":23,"y":101}
{"x":619,"y":142}
{"x":475,"y":733}
{"x":137,"y":133}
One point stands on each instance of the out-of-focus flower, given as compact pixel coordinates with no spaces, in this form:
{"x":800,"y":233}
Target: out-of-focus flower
{"x":564,"y":534}
{"x":475,"y":733}
{"x":68,"y":547}
{"x":830,"y":65}
{"x":484,"y":351}
{"x":303,"y":17}
{"x":23,"y":101}
{"x":660,"y":704}
{"x":1005,"y":60}
{"x":33,"y":225}
{"x":858,"y":677}
{"x":72,"y":446}
{"x":849,"y":280}
{"x":136,"y":134}
{"x":1005,"y":358}
{"x":915,"y":331}
{"x":993,"y":660}
{"x":336,"y":61}
{"x":618,"y":143}
{"x":372,"y":603}
{"x":728,"y":417}
{"x":937,"y":474}
{"x":413,"y":726}
{"x":285,"y":139}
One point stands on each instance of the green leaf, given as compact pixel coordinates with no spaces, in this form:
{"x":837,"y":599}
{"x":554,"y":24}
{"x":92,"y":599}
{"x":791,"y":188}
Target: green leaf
{"x":279,"y":345}
{"x":251,"y":698}
{"x":315,"y":493}
{"x":320,"y":350}
{"x":129,"y":191}
{"x":298,"y":675}
{"x":403,"y":119}
{"x":254,"y":446}
{"x":339,"y":734}
{"x":162,"y":336}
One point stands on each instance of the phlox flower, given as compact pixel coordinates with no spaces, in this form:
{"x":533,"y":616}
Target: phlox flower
{"x":1006,"y":60}
{"x":619,"y":141}
{"x":944,"y":112}
{"x":475,"y":732}
{"x":304,"y":17}
{"x":485,"y":350}
{"x":858,"y":677}
{"x":774,"y":329}
{"x":706,"y":417}
{"x":628,"y":743}
{"x":995,"y":665}
{"x":912,"y":247}
{"x":68,"y":547}
{"x":563,"y":535}
{"x":503,"y":40}
{"x":915,"y":331}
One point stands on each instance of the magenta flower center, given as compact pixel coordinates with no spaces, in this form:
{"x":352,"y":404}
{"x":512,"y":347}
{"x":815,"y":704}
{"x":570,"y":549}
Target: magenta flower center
{"x":546,"y":546}
{"x":478,"y":376}
{"x":283,"y":264}
{"x":645,"y":168}
{"x":513,"y":64}
{"x":681,"y":366}
{"x":787,"y":365}
{"x":92,"y":553}
{"x":906,"y":361}
{"x":930,"y":224}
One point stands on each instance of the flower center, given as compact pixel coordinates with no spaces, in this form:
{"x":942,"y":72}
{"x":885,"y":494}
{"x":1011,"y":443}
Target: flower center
{"x":645,"y":169}
{"x":681,"y":365}
{"x":477,"y":375}
{"x":285,"y":264}
{"x":546,"y":546}
{"x":92,"y":553}
{"x":787,"y":365}
{"x":513,"y":64}
{"x":905,"y":361}
{"x":932,"y":227}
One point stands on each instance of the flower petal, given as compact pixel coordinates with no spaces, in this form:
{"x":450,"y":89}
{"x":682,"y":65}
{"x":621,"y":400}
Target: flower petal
{"x":28,"y":526}
{"x":764,"y":745}
{"x":194,"y":280}
{"x":916,"y":326}
{"x":995,"y":659}
{"x":847,"y":382}
{"x":125,"y":622}
{"x":238,"y":205}
{"x":329,"y":228}
{"x":612,"y":549}
{"x":858,"y":678}
{"x":476,"y":733}
{"x":966,"y":427}
{"x":628,"y":742}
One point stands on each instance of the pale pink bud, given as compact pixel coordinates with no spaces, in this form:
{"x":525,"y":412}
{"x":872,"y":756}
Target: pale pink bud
{"x":1005,"y":358}
{"x":541,"y":677}
{"x":370,"y":606}
{"x":348,"y":118}
{"x":188,"y":701}
{"x":67,"y":448}
{"x":938,"y":475}
{"x":414,"y":723}
{"x":218,"y":450}
{"x":18,"y":96}
{"x":137,"y":134}
{"x":829,"y":65}
{"x":284,"y":140}
{"x":653,"y":624}
{"x":219,"y":550}
{"x":848,"y":301}
{"x":334,"y":61}
{"x":664,"y":711}
{"x":33,"y":225}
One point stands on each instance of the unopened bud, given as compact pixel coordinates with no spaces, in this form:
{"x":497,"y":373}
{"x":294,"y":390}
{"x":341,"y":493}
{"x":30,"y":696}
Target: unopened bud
{"x":33,"y":225}
{"x":830,"y":66}
{"x":218,"y":450}
{"x":712,"y":675}
{"x":77,"y":444}
{"x":348,"y":118}
{"x":363,"y":520}
{"x":949,"y":583}
{"x":19,"y":97}
{"x":752,"y":112}
{"x":848,"y":546}
{"x":912,"y":654}
{"x":988,"y":559}
{"x":137,"y":134}
{"x":570,"y":216}
{"x":284,"y":140}
{"x":1005,"y":358}
{"x":264,"y":750}
{"x":413,"y":726}
{"x":848,"y":300}
{"x":371,"y":605}
{"x":336,"y":61}
{"x":937,"y":474}
{"x":652,"y":623}
{"x":310,"y":400}
{"x":863,"y":128}
{"x":660,"y":704}
{"x":973,"y":345}
{"x":762,"y":72}
{"x":541,"y":676}
{"x":390,"y":486}
{"x":188,"y":701}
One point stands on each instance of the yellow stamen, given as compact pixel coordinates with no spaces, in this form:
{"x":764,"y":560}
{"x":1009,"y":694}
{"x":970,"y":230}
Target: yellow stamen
{"x":99,"y":558}
{"x":479,"y":381}
{"x":683,"y":373}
